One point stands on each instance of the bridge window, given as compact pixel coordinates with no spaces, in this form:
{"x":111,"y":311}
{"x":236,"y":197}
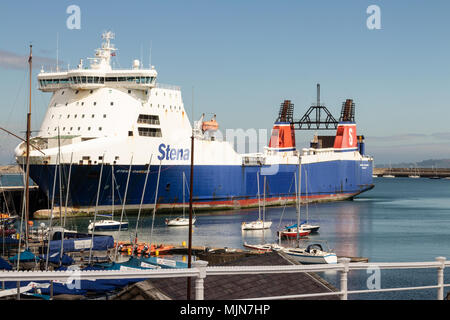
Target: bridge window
{"x":148,"y":119}
{"x":150,"y":132}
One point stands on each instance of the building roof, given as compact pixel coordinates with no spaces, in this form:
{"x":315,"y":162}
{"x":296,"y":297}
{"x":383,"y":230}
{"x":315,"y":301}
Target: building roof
{"x":240,"y":286}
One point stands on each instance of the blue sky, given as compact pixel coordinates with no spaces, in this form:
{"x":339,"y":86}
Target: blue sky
{"x":243,"y":58}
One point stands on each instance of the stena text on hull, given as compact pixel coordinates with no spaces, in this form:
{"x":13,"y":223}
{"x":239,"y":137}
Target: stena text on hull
{"x":106,"y":120}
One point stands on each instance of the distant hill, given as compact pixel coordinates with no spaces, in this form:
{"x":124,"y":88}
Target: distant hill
{"x":439,"y":163}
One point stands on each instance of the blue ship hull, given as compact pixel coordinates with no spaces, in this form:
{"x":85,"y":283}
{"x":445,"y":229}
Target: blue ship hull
{"x":214,"y":186}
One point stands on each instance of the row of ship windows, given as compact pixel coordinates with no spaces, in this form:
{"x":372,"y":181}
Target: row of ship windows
{"x":96,"y":80}
{"x":112,"y":103}
{"x":145,"y":132}
{"x":71,"y":128}
{"x":143,"y":118}
{"x":75,"y":116}
{"x":82,"y":103}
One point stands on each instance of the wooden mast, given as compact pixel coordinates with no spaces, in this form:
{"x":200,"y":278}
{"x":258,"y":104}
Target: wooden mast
{"x":27,"y":182}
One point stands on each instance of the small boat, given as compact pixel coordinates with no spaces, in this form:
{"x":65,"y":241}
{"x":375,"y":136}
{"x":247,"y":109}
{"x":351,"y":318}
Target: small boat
{"x":258,"y":224}
{"x":312,"y":254}
{"x":107,"y":225}
{"x":304,"y":224}
{"x":292,"y":233}
{"x":142,"y":248}
{"x":389,"y":174}
{"x":304,"y":227}
{"x":374,"y":176}
{"x":179,"y":222}
{"x":267,"y":247}
{"x":415,"y":174}
{"x":435,"y":174}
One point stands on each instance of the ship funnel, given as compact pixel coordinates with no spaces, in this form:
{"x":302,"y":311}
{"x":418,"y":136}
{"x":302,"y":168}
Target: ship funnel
{"x":283,"y":133}
{"x":346,"y":138}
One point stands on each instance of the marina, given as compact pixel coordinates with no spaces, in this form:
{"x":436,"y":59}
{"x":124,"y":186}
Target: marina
{"x":232,"y":153}
{"x":360,"y":229}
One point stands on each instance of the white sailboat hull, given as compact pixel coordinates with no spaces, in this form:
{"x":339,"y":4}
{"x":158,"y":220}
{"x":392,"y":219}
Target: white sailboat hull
{"x":108,"y":225}
{"x":179,"y":222}
{"x":256,"y":225}
{"x":311,"y":258}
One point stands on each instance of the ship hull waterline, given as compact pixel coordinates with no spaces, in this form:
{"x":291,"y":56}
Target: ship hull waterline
{"x":215,"y":187}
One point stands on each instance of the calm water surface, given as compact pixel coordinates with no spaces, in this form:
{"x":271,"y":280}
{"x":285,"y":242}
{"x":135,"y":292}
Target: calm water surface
{"x":400,"y":220}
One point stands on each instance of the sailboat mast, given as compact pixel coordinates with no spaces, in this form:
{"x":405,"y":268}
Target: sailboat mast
{"x":154,"y":206}
{"x":184,"y":187}
{"x":27,"y":182}
{"x":65,"y":211}
{"x":140,"y":204}
{"x":259,"y":197}
{"x":123,"y":202}
{"x":306,"y":190}
{"x":96,"y":208}
{"x":113,"y":184}
{"x":264,"y":198}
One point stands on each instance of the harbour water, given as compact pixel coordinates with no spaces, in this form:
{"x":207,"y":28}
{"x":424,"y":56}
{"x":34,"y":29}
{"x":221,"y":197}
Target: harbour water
{"x":400,"y":220}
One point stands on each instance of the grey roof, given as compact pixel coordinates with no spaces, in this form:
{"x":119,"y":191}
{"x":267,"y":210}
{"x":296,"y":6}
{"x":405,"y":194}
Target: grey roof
{"x":242,"y":286}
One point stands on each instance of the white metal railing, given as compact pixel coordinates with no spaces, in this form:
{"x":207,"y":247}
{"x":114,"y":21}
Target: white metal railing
{"x":200,"y":271}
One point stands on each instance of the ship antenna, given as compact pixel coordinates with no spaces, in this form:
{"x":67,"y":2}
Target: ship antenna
{"x":142,"y":55}
{"x":150,"y":56}
{"x":318,"y":94}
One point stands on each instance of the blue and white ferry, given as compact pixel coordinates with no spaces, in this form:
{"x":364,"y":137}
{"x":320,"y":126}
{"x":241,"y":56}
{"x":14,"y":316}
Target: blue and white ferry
{"x":120,"y":119}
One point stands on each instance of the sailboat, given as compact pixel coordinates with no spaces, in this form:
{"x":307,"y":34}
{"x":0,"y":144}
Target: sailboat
{"x":306,"y":225}
{"x":415,"y":175}
{"x":109,"y":224}
{"x":259,"y":224}
{"x":435,"y":174}
{"x":293,"y":231}
{"x":389,"y":175}
{"x":181,"y":221}
{"x":313,"y":253}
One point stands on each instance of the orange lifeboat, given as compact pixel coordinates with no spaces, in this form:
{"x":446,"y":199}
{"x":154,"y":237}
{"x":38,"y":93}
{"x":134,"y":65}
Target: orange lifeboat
{"x":211,"y":125}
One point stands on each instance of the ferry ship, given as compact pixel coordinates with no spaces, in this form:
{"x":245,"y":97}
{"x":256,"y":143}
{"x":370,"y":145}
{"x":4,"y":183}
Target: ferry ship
{"x":105,"y":121}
